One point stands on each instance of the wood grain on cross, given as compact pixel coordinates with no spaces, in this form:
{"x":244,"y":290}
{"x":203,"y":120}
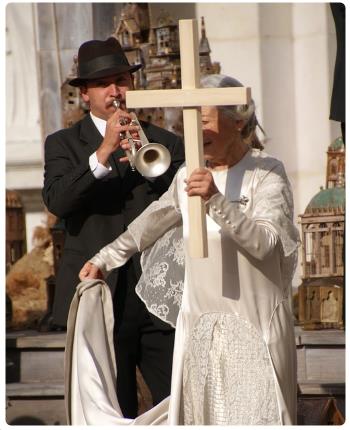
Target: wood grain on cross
{"x":190,"y":97}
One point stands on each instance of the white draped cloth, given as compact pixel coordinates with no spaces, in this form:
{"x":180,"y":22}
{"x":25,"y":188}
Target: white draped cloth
{"x":234,"y":356}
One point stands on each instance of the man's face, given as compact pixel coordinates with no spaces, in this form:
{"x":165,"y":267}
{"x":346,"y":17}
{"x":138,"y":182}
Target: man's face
{"x":100,"y":93}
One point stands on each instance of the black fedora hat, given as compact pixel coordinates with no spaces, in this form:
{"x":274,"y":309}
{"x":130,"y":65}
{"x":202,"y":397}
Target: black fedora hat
{"x":99,"y":59}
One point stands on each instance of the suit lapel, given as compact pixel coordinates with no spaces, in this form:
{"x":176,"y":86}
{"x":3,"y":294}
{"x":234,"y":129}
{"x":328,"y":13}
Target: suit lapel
{"x":121,"y":167}
{"x":89,"y":134}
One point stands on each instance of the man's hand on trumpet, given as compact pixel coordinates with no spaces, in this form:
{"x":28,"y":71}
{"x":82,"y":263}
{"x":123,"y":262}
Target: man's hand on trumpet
{"x":115,"y":136}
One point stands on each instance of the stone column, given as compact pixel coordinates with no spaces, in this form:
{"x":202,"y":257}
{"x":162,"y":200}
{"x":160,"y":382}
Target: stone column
{"x":61,"y":29}
{"x":278,"y":83}
{"x":23,"y":122}
{"x":312,"y":98}
{"x":23,"y":137}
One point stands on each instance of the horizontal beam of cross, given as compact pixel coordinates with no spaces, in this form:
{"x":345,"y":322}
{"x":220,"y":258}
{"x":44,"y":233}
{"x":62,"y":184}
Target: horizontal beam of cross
{"x":188,"y":97}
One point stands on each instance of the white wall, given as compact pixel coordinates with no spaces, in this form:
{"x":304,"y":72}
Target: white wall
{"x":24,"y":166}
{"x":23,"y":132}
{"x":312,"y":96}
{"x":233,"y":33}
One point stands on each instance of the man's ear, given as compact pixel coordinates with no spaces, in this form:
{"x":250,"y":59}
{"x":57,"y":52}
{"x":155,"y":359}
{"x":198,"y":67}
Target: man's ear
{"x":239,"y":124}
{"x":83,"y":93}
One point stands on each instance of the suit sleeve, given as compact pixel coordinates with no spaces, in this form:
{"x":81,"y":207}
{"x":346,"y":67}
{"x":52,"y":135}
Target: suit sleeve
{"x":67,"y":180}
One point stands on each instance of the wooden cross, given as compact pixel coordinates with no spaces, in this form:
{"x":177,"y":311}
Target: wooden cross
{"x":190,"y":97}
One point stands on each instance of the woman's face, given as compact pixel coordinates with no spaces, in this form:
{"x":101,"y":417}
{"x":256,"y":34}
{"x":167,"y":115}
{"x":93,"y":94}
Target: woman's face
{"x":220,"y":134}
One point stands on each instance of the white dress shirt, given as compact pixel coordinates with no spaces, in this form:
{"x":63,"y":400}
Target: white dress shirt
{"x":98,"y":169}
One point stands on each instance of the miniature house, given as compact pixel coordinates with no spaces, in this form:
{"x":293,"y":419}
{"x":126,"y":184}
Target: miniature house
{"x":205,"y":64}
{"x":127,"y":32}
{"x":163,"y":68}
{"x":335,"y":162}
{"x":167,"y":35}
{"x":133,"y":25}
{"x":72,"y":105}
{"x":157,"y":49}
{"x":15,"y":229}
{"x":132,"y":33}
{"x":152,"y":43}
{"x":322,"y":225}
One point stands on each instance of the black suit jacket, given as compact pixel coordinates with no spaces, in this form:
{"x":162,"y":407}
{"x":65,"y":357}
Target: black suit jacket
{"x":96,"y":211}
{"x":337,"y":112}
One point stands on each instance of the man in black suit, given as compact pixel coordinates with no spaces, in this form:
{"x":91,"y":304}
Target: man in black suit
{"x":89,"y":183}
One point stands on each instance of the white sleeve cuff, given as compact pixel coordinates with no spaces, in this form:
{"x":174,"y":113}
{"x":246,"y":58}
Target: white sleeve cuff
{"x":98,"y":169}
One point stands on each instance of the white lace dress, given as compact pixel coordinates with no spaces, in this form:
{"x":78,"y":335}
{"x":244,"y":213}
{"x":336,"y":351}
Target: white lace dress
{"x":234,"y":357}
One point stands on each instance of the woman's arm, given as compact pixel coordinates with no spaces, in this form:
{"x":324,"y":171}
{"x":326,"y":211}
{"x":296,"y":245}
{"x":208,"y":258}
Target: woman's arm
{"x":149,"y":226}
{"x":257,"y":239}
{"x":271,"y":220}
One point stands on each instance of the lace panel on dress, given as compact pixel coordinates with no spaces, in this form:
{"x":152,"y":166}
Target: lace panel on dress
{"x":228,"y":378}
{"x":161,"y":284}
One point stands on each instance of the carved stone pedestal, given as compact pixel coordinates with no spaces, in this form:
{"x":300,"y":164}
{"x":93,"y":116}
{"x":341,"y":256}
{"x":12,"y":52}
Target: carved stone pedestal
{"x":321,"y":376}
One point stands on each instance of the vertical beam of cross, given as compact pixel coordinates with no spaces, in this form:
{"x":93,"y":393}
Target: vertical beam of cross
{"x":190,"y":72}
{"x":190,"y":97}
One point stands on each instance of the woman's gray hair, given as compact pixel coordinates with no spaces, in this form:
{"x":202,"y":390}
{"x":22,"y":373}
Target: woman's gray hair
{"x":236,"y":112}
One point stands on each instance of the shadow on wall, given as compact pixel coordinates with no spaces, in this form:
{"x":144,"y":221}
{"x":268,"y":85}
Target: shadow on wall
{"x":26,"y":420}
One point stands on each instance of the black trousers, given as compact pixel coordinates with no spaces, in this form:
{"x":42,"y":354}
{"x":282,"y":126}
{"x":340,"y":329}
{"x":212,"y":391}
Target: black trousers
{"x":139,"y":342}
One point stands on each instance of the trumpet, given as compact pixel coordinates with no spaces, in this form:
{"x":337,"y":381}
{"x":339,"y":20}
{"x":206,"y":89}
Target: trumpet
{"x":151,"y":159}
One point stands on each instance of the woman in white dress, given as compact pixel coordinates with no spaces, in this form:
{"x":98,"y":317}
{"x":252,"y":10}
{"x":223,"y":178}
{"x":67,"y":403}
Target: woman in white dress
{"x":234,"y":357}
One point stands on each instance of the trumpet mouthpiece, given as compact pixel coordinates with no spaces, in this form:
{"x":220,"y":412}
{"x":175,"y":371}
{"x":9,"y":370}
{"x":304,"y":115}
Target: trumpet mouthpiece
{"x":116,"y":103}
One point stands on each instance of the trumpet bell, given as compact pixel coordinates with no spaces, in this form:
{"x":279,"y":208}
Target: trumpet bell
{"x":152,"y":160}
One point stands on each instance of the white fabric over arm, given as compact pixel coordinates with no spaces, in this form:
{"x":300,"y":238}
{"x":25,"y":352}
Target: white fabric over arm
{"x":115,"y":254}
{"x":269,"y":219}
{"x":151,"y":224}
{"x":274,"y":207}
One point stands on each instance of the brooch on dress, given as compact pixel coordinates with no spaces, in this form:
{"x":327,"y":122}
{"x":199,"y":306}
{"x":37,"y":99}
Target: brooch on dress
{"x":242,"y":201}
